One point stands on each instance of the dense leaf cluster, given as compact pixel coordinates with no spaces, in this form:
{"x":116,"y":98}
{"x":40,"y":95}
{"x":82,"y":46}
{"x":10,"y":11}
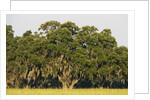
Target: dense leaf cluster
{"x":65,"y":56}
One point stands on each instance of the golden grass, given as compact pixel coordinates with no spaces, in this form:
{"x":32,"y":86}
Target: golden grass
{"x":67,"y":91}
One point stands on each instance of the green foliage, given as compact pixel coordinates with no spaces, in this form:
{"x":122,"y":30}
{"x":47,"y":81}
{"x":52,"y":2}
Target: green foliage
{"x":67,"y":56}
{"x":71,"y":26}
{"x":89,"y":29}
{"x":9,"y":31}
{"x":27,"y":33}
{"x":49,"y":26}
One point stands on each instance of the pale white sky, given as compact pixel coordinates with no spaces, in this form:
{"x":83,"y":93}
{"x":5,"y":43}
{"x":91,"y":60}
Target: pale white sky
{"x":118,"y":23}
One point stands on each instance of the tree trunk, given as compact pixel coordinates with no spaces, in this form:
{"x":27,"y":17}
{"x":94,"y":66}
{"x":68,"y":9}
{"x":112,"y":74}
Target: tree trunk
{"x":27,"y":86}
{"x":72,"y":84}
{"x":65,"y":86}
{"x":63,"y":83}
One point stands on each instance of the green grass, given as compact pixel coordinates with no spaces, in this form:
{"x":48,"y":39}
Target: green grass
{"x":67,"y":91}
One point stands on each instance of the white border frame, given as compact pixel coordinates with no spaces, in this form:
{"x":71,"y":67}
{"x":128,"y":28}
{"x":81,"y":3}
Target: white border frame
{"x":5,"y":4}
{"x":131,"y":61}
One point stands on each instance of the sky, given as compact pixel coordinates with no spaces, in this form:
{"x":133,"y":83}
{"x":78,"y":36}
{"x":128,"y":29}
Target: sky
{"x":118,"y":23}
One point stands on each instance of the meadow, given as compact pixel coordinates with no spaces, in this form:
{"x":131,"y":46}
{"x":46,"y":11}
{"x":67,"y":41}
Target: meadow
{"x":66,"y":91}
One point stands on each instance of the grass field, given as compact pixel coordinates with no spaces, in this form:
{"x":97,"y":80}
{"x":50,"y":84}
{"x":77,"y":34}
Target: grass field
{"x":67,"y":91}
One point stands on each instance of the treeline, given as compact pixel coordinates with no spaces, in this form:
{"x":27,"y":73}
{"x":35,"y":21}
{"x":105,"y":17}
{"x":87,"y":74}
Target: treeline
{"x":65,"y":56}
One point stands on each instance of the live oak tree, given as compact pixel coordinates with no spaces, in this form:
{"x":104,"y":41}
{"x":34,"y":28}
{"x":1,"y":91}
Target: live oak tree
{"x":64,"y":55}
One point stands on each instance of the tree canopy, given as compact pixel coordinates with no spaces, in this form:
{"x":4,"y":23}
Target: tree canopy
{"x":65,"y":56}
